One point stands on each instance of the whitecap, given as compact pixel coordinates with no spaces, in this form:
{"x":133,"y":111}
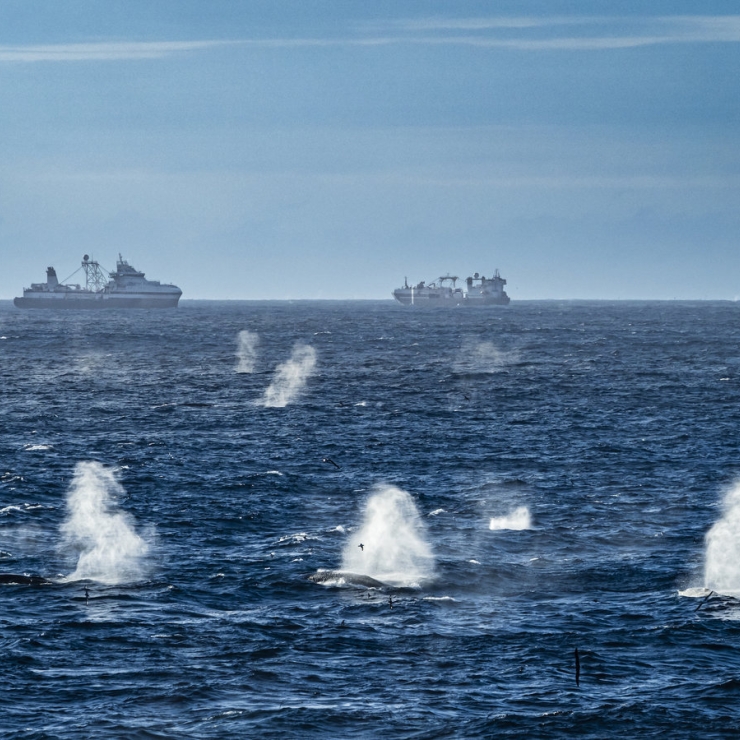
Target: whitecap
{"x":21,"y":507}
{"x":697,"y":592}
{"x":10,"y":508}
{"x":297,"y":538}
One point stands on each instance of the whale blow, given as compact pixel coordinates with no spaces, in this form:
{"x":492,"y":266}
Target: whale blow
{"x":391,"y":544}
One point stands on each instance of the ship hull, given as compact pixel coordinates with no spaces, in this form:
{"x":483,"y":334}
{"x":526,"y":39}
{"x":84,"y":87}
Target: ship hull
{"x":406,"y":298}
{"x":497,"y":300}
{"x":96,"y":302}
{"x":427,"y":297}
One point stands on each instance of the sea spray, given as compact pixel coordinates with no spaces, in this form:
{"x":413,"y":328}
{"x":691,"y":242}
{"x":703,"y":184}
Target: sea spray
{"x":517,"y":520}
{"x":246,"y":351}
{"x":103,"y":537}
{"x":484,"y":358}
{"x":722,"y":555}
{"x":393,"y":538}
{"x":290,"y":377}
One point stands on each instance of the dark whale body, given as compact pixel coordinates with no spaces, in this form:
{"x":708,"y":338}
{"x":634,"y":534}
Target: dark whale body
{"x":345,"y":577}
{"x":18,"y":579}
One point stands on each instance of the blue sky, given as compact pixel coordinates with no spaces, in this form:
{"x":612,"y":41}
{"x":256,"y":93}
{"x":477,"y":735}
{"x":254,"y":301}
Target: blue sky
{"x":328,"y":149}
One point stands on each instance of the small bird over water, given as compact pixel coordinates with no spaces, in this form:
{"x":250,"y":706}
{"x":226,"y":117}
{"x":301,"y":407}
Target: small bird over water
{"x":329,"y":460}
{"x":361,"y":546}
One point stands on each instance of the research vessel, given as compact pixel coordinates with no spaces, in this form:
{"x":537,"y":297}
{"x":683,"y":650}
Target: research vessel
{"x":126,"y":287}
{"x":480,"y":291}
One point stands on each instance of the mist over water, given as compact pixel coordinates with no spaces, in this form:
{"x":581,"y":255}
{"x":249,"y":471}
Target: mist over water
{"x":518,"y":519}
{"x":395,"y":549}
{"x":246,"y":351}
{"x":290,"y":377}
{"x":109,"y":549}
{"x":484,"y":357}
{"x":722,"y":555}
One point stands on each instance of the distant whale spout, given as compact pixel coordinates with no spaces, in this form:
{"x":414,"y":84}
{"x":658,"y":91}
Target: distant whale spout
{"x":344,"y":578}
{"x":18,"y":579}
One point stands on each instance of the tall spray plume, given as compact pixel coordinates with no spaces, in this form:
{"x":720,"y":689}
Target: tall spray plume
{"x":108,"y":548}
{"x":246,"y":351}
{"x":393,"y":538}
{"x":290,"y":377}
{"x":722,"y":555}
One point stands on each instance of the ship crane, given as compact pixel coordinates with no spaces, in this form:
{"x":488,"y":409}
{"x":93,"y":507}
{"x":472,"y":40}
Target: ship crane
{"x":95,"y":276}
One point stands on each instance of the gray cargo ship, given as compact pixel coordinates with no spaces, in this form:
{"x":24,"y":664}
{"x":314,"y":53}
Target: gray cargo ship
{"x":124,"y":288}
{"x":481,"y":291}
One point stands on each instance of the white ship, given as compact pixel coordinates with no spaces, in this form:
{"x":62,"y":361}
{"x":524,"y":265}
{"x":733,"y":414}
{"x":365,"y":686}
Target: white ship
{"x":481,"y":291}
{"x":435,"y":293}
{"x":124,"y":288}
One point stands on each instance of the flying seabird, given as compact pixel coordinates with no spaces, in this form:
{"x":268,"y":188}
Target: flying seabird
{"x":361,"y":546}
{"x":329,"y":460}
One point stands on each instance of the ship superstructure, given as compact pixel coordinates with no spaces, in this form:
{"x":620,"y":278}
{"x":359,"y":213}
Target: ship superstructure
{"x":481,"y":291}
{"x":439,"y":292}
{"x":126,"y":287}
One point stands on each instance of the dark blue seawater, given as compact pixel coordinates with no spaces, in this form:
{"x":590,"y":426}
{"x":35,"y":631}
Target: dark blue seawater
{"x":615,"y":425}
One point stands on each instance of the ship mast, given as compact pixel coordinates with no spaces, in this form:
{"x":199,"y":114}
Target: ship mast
{"x":95,"y":278}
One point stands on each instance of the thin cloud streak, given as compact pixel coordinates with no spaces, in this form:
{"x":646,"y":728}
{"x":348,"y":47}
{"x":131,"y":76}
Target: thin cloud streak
{"x":488,"y":23}
{"x":104,"y":51}
{"x":658,"y":30}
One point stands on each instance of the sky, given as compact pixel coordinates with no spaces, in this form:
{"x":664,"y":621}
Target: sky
{"x":280,"y":149}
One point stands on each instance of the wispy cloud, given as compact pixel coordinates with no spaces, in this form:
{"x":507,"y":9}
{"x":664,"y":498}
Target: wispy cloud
{"x":103,"y":51}
{"x":439,"y":23}
{"x":562,"y":33}
{"x":577,"y":33}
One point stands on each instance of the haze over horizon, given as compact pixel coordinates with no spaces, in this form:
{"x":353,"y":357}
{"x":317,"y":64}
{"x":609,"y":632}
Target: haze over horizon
{"x":304,"y":149}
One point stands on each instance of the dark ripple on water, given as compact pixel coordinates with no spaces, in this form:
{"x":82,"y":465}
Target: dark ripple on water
{"x":614,"y":424}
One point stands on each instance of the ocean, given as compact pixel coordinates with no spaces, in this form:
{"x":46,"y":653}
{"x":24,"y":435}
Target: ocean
{"x":360,"y":520}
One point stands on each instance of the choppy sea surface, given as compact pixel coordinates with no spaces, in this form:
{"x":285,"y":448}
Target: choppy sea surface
{"x":358,"y":519}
